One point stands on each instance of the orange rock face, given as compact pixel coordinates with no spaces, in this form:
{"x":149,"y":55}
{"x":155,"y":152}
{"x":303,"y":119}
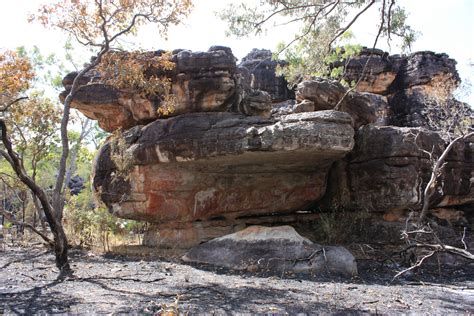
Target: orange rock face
{"x":209,"y":165}
{"x":174,"y":193}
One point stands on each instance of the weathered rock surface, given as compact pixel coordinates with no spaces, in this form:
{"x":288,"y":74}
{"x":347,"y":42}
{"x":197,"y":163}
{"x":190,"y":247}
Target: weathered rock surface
{"x":240,"y":149}
{"x":409,"y":82}
{"x":263,"y":69}
{"x":203,"y":165}
{"x":201,"y":82}
{"x":275,"y":249}
{"x":76,"y":185}
{"x":380,"y":72}
{"x":421,"y":68}
{"x":380,"y":106}
{"x":323,"y":94}
{"x":389,"y":169}
{"x":178,"y":235}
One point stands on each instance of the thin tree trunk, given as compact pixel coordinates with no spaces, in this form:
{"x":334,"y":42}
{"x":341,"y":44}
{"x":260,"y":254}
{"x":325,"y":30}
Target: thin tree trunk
{"x":36,"y":203}
{"x":72,"y":161}
{"x":58,"y":192}
{"x":38,"y":212}
{"x":60,"y":240}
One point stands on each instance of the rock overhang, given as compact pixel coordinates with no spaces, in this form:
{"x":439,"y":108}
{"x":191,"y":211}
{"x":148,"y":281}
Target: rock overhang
{"x":227,"y":152}
{"x":200,"y":165}
{"x":200,"y":82}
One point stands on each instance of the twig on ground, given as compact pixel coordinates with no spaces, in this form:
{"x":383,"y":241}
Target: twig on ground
{"x":419,"y":263}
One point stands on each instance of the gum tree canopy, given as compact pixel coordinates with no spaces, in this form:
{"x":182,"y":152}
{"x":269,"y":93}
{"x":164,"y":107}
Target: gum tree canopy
{"x":323,"y":24}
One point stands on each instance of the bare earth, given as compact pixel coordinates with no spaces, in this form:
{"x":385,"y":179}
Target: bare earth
{"x":112,"y":285}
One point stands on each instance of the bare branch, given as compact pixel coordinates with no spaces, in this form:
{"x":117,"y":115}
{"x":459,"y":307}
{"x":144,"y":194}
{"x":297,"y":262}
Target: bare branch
{"x":7,"y":106}
{"x":6,"y":156}
{"x":429,"y":189}
{"x":463,"y":238}
{"x":419,"y":263}
{"x":344,"y":29}
{"x":284,"y":9}
{"x":389,"y":22}
{"x":129,"y":27}
{"x":11,"y":218}
{"x":308,"y":30}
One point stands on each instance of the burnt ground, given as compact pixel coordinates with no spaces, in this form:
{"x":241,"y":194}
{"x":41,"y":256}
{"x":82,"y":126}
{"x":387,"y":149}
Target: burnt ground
{"x":118,"y":284}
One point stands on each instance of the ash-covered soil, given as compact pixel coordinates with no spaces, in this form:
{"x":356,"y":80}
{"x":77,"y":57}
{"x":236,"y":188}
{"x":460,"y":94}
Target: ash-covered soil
{"x":118,"y":284}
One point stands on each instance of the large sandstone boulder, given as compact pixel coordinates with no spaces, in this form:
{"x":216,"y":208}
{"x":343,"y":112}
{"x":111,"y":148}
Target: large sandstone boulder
{"x":380,"y":73}
{"x":390,"y":167}
{"x":201,"y":82}
{"x":275,"y":250}
{"x":205,"y":165}
{"x":323,"y":94}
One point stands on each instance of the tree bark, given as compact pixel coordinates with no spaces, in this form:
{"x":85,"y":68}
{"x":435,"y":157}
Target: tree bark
{"x":60,"y":240}
{"x":58,"y":192}
{"x":85,"y":129}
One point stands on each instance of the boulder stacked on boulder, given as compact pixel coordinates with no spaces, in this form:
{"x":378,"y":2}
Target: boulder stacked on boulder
{"x":201,"y":82}
{"x":406,"y":84}
{"x":239,"y":149}
{"x":262,"y":67}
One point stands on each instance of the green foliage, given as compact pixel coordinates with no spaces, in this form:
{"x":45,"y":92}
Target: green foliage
{"x":90,"y":225}
{"x":399,"y":26}
{"x":324,"y":25}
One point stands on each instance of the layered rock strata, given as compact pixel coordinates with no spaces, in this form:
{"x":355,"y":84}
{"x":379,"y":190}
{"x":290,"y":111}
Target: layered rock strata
{"x":198,"y":166}
{"x":201,"y":82}
{"x":409,"y":82}
{"x":390,"y":167}
{"x":228,"y":158}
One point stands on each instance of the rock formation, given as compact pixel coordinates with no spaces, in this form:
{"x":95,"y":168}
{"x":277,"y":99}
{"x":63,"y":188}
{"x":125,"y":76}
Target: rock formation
{"x":76,"y":185}
{"x":390,"y":167}
{"x":277,"y":249}
{"x":205,"y":165}
{"x":262,"y":68}
{"x":240,"y":150}
{"x":408,"y":82}
{"x":201,"y":82}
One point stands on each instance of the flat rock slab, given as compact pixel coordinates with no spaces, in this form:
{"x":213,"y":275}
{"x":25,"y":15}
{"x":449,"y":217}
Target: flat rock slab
{"x":274,"y":249}
{"x":204,"y":165}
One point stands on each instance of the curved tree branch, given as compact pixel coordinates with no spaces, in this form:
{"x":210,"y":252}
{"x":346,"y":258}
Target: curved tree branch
{"x":60,"y":241}
{"x":8,"y":105}
{"x":431,"y":186}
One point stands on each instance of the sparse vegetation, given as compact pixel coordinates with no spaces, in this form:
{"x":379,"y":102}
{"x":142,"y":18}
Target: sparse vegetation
{"x":48,"y":212}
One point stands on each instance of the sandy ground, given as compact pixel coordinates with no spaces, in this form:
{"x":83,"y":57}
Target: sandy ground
{"x":114,"y":285}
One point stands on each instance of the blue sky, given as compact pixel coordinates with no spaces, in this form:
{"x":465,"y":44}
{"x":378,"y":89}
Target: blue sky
{"x":445,"y":26}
